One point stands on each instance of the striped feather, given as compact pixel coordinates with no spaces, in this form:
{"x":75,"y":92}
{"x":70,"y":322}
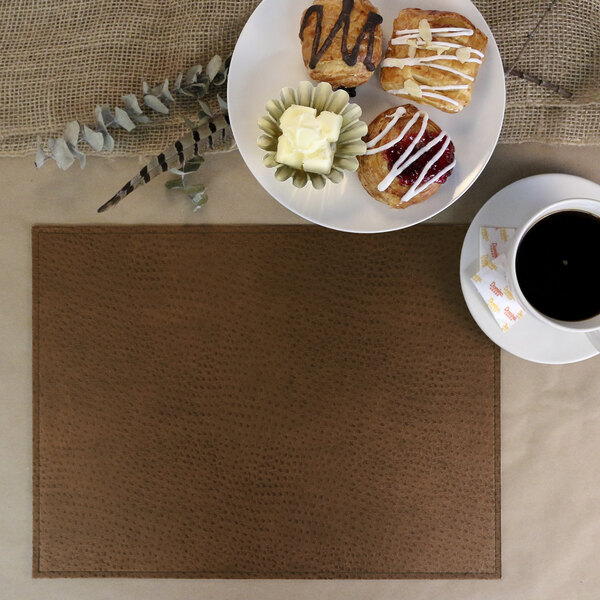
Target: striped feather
{"x":172,"y":158}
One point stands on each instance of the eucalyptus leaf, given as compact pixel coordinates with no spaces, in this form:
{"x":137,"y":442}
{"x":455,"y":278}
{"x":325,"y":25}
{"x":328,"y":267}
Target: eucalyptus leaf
{"x":162,"y":91}
{"x":165,"y":93}
{"x":193,"y":190}
{"x":222,"y":103}
{"x":80,"y":156}
{"x":199,"y":89}
{"x":140,"y":118}
{"x":109,"y":142}
{"x":132,"y":105}
{"x":205,"y":108}
{"x":145,"y":88}
{"x":108,"y":117}
{"x":199,"y":200}
{"x":155,"y":104}
{"x":94,"y":138}
{"x":214,"y":66}
{"x":189,"y":124}
{"x":40,"y":156}
{"x":62,"y":155}
{"x":71,"y":133}
{"x":199,"y":160}
{"x":178,"y":81}
{"x":192,"y":73}
{"x":177,"y":172}
{"x":99,"y":118}
{"x":220,"y":78}
{"x":190,"y":167}
{"x":122,"y":119}
{"x":175,"y":184}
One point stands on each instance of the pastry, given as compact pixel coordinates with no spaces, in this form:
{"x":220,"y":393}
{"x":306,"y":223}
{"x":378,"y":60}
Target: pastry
{"x":408,"y":157}
{"x":433,"y":58}
{"x":342,"y":41}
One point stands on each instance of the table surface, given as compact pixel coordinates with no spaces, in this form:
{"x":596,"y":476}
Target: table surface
{"x":550,"y":414}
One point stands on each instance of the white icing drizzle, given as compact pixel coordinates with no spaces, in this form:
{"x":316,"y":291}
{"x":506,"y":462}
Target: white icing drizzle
{"x":425,"y":59}
{"x":427,"y":94}
{"x":441,"y":88}
{"x":405,"y":160}
{"x":398,"y":62}
{"x":372,"y":143}
{"x":451,"y":45}
{"x":448,"y":31}
{"x":394,"y":119}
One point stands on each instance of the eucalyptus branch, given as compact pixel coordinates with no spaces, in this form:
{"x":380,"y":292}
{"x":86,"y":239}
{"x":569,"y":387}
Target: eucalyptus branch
{"x":195,"y":83}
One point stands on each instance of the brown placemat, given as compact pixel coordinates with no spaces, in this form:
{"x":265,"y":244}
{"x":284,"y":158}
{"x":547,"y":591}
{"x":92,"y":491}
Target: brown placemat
{"x":260,"y":402}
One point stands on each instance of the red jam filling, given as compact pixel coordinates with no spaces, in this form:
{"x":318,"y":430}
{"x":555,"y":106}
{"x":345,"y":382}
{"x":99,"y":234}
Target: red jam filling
{"x":412,"y":172}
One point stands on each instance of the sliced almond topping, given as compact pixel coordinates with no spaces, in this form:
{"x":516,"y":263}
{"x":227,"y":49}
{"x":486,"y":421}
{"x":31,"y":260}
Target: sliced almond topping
{"x":412,"y":51}
{"x":463,"y":54}
{"x":438,"y":49}
{"x":425,"y":30}
{"x":412,"y":88}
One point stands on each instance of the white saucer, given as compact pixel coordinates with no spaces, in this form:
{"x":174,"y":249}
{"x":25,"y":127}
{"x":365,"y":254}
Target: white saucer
{"x":529,"y":338}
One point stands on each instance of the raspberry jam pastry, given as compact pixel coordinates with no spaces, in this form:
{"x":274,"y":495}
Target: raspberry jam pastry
{"x":408,"y":157}
{"x":342,"y":41}
{"x":433,"y":58}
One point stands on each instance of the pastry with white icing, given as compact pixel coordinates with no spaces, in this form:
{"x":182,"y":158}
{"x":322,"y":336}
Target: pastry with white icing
{"x":433,"y":58}
{"x":408,"y":157}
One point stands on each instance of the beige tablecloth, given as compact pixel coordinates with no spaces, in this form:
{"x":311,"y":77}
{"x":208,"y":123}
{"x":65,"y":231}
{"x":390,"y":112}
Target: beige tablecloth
{"x":550,"y":414}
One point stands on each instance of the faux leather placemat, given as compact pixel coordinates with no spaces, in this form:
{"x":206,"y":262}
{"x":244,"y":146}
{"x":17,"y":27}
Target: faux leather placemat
{"x":260,"y":402}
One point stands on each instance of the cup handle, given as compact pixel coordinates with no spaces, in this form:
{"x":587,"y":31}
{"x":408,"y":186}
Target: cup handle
{"x":594,"y":337}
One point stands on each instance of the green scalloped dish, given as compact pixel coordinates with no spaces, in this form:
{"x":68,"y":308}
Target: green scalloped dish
{"x":322,"y":97}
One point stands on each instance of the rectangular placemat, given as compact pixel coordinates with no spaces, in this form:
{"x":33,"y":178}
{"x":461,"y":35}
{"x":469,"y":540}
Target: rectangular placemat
{"x":260,"y":402}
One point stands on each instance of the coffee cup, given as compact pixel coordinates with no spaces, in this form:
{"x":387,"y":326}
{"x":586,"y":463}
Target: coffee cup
{"x":553,"y":266}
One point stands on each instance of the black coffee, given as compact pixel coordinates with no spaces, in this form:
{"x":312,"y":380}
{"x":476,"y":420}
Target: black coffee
{"x":557,"y":265}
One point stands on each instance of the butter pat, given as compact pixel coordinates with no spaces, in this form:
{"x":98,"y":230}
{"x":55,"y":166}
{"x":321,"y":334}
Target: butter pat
{"x":287,"y":154}
{"x":307,"y":141}
{"x":296,"y":115}
{"x":331,"y":124}
{"x":319,"y":161}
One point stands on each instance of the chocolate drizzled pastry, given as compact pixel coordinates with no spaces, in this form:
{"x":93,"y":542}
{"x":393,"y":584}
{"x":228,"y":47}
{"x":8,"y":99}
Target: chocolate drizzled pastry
{"x":342,"y":41}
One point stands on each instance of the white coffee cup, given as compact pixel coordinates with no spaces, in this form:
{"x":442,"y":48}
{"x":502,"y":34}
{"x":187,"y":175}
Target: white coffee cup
{"x":589,"y":327}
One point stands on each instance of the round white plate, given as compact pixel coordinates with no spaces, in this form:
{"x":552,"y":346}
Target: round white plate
{"x":529,"y":338}
{"x":268,"y":57}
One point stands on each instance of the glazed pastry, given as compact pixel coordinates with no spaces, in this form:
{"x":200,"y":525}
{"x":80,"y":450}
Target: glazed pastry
{"x":408,"y":157}
{"x":342,"y":41}
{"x":433,"y":58}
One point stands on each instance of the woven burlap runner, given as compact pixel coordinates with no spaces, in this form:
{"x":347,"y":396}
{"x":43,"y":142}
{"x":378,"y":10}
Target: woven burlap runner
{"x":60,"y":59}
{"x":564,"y":52}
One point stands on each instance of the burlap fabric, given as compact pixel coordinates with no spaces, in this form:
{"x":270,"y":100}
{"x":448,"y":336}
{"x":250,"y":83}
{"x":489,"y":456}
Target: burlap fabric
{"x":60,"y":59}
{"x":565,"y":52}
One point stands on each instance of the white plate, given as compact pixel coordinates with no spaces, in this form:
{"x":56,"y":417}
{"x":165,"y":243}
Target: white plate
{"x":268,"y":57}
{"x":529,"y":338}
